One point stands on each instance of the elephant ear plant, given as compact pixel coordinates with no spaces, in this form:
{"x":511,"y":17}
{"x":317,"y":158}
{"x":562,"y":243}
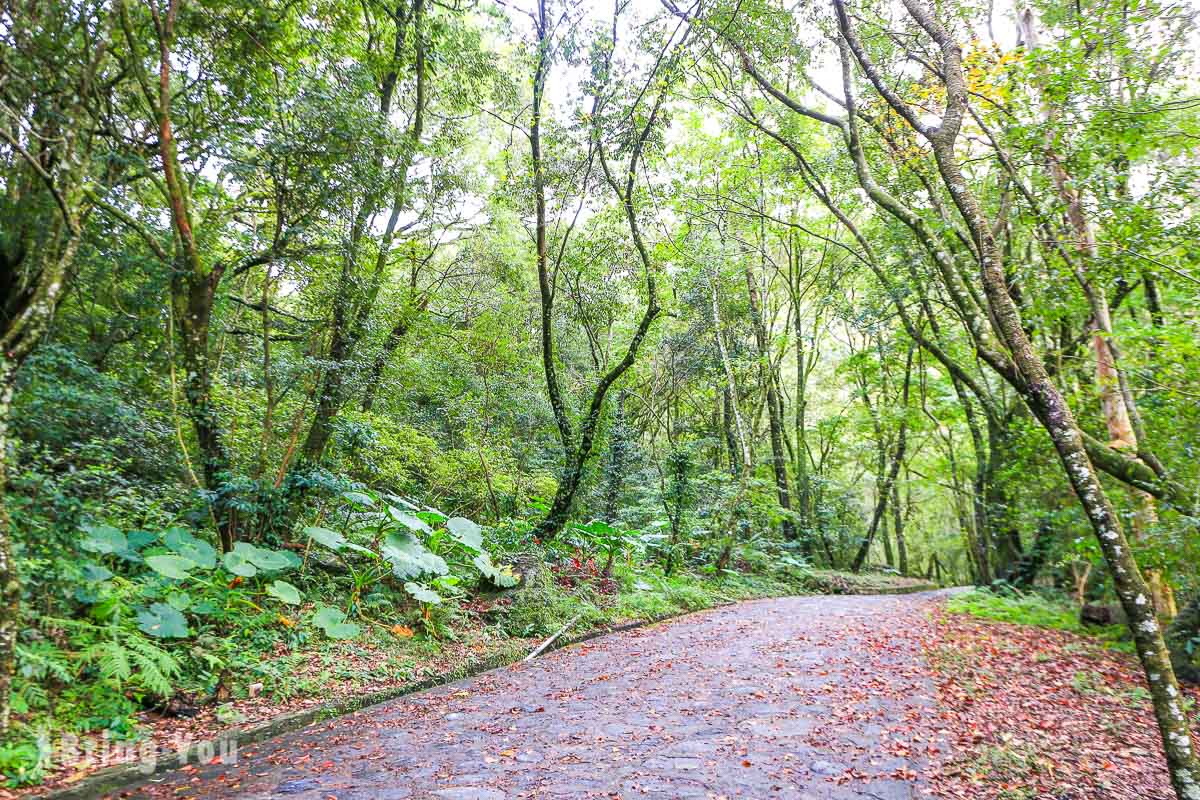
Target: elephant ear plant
{"x":384,"y":538}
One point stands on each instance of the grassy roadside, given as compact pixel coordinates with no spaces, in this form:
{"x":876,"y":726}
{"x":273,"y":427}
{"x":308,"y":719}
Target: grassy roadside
{"x":1037,"y":610}
{"x":291,"y":686}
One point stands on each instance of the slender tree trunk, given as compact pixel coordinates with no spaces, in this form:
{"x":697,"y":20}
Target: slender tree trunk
{"x":982,"y":477}
{"x":893,"y":470}
{"x":803,"y":479}
{"x":889,"y":556}
{"x":390,"y":346}
{"x":898,"y":529}
{"x":577,"y":449}
{"x":10,"y":580}
{"x":731,"y":382}
{"x":193,"y":298}
{"x":882,"y":500}
{"x":731,"y":447}
{"x":774,"y":406}
{"x":1117,"y":403}
{"x":1044,"y":398}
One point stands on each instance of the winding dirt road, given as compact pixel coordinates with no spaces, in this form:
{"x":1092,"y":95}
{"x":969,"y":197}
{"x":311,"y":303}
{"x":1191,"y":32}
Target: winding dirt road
{"x":814,"y":697}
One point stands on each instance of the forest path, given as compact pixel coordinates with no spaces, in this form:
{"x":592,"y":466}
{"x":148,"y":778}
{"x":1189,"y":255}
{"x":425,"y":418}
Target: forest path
{"x":806,"y":697}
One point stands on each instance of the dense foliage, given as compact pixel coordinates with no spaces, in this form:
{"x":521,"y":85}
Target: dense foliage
{"x":321,"y":318}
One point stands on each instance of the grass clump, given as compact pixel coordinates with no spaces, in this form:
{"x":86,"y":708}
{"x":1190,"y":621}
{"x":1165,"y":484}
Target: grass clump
{"x":1020,"y":609}
{"x":1035,"y":609}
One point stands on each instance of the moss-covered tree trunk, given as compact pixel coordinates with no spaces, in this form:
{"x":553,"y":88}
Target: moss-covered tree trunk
{"x":45,"y":191}
{"x":1042,"y":396}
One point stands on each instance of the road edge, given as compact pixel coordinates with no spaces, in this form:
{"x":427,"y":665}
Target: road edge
{"x":126,"y":777}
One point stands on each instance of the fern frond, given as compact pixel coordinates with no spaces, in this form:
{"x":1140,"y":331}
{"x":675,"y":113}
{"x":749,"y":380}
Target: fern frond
{"x":156,"y":667}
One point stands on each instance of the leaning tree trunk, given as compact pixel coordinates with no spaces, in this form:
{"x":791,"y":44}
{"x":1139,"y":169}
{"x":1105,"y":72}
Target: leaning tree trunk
{"x":1045,"y":399}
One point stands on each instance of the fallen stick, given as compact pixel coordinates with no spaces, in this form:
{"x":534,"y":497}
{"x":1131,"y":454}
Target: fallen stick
{"x":552,"y":639}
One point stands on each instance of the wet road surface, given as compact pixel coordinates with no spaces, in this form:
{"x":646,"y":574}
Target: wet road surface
{"x":799,"y":698}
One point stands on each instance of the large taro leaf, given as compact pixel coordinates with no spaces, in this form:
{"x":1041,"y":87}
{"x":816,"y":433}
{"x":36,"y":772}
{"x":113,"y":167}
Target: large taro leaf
{"x":422,"y":593}
{"x":323,"y":536}
{"x":94,"y":573}
{"x":139,"y":539}
{"x":335,"y":541}
{"x":103,"y":539}
{"x":285,"y":592}
{"x":236,"y":562}
{"x":410,"y":558}
{"x":501,"y":577}
{"x":171,"y":566}
{"x":466,"y":532}
{"x":185,"y":544}
{"x":410,"y":521}
{"x":162,"y":622}
{"x":360,"y":499}
{"x":333,"y":622}
{"x":264,"y":558}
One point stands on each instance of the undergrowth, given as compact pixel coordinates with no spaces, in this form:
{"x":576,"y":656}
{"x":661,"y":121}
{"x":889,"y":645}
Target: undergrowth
{"x":1036,"y":609}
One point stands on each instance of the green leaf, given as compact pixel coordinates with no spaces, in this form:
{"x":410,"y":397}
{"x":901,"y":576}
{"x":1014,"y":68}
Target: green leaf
{"x":136,"y":540}
{"x":205,"y":607}
{"x":190,"y":547}
{"x":236,"y":562}
{"x":432,"y":517}
{"x":333,"y":622}
{"x":410,"y":558}
{"x":409,"y":521}
{"x":343,"y":630}
{"x":323,"y":536}
{"x":179,"y":601}
{"x":422,"y":593}
{"x":361,"y":499}
{"x":285,"y":592}
{"x":266,"y":559}
{"x":169,"y":566}
{"x":466,"y":532}
{"x":162,"y":622}
{"x":103,"y":539}
{"x":502,"y":577}
{"x":336,"y":541}
{"x":328,"y":615}
{"x":94,"y":573}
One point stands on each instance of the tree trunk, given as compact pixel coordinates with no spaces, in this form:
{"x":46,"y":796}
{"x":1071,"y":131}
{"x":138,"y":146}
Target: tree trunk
{"x":893,"y":471}
{"x":1185,"y":630}
{"x":193,"y":299}
{"x":898,"y":530}
{"x":1117,"y":403}
{"x":774,"y":406}
{"x":375,"y":373}
{"x":577,"y":450}
{"x":10,"y":581}
{"x":731,"y":447}
{"x":1046,"y":401}
{"x":746,"y":462}
{"x":1025,"y":570}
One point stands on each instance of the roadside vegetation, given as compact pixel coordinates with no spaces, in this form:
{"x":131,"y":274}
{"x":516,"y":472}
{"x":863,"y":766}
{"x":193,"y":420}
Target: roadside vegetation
{"x":418,"y":327}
